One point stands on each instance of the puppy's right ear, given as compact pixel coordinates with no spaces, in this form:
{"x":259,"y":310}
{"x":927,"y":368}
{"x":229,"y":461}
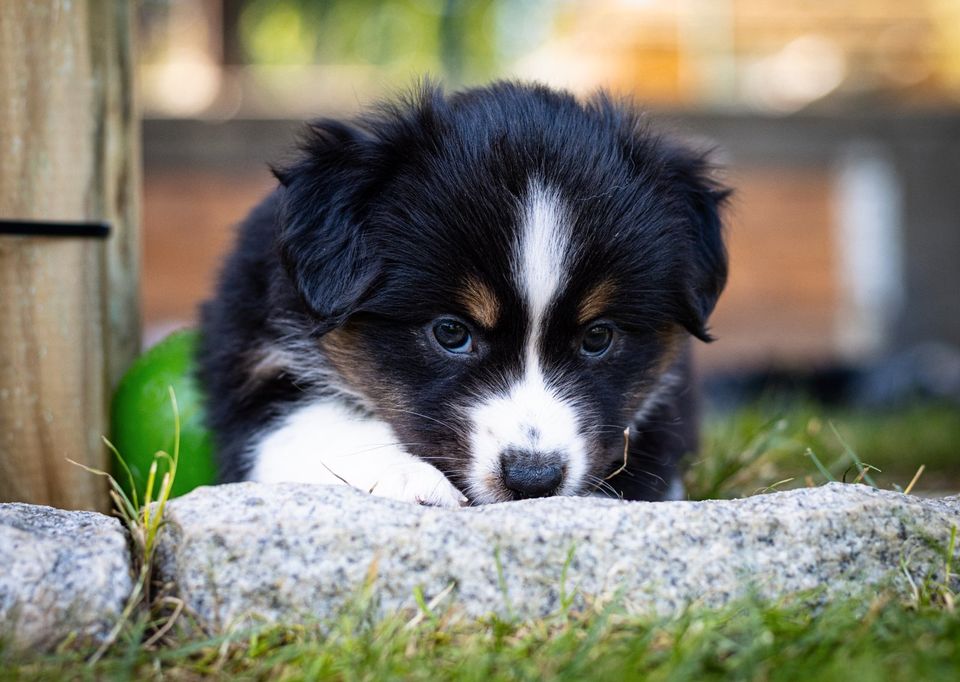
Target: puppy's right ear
{"x":321,"y":238}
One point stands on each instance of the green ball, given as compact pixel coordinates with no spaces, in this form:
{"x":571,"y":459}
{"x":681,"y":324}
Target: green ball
{"x":142,"y":418}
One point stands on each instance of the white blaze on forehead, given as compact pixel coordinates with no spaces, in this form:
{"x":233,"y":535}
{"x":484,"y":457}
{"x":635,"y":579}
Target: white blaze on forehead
{"x":540,"y":253}
{"x":533,"y":417}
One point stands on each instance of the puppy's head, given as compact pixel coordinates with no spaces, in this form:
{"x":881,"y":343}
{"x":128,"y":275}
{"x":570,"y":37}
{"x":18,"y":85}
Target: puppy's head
{"x":503,"y":275}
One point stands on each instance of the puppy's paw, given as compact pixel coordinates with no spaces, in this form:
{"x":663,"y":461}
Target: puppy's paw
{"x":420,"y":483}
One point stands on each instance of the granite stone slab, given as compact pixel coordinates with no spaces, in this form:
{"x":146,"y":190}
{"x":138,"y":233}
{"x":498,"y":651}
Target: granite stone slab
{"x":246,"y":553}
{"x":62,"y":574}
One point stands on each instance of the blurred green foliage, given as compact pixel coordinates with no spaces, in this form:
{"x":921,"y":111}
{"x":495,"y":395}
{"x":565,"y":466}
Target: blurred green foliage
{"x":458,"y":39}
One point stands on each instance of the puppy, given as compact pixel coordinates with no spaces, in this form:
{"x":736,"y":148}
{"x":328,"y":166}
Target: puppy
{"x":468,"y":299}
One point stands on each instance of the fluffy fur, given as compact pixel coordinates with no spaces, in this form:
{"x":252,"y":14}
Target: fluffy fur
{"x":537,"y":228}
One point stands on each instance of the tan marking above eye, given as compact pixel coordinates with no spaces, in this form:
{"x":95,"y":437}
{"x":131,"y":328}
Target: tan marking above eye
{"x":480,"y":301}
{"x":596,"y":302}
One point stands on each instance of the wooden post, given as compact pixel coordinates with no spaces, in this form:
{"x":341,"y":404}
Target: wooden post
{"x":69,"y":320}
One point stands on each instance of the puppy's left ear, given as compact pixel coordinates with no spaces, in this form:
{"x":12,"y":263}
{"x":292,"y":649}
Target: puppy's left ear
{"x":705,"y":199}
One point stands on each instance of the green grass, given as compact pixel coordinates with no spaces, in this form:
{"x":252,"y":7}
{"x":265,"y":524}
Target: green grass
{"x":769,"y":445}
{"x":881,"y":639}
{"x":756,"y":449}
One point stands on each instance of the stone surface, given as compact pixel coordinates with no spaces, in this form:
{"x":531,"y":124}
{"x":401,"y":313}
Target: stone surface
{"x":247,"y":552}
{"x":62,"y":573}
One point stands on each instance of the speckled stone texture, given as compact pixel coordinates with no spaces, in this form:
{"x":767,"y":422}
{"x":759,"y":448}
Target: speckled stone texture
{"x":62,"y":574}
{"x":246,"y":552}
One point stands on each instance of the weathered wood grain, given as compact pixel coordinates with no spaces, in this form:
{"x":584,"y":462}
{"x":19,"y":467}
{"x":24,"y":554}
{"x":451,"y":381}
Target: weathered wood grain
{"x":68,"y":307}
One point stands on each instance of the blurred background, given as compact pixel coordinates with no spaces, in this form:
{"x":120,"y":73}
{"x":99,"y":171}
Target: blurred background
{"x":838,"y":123}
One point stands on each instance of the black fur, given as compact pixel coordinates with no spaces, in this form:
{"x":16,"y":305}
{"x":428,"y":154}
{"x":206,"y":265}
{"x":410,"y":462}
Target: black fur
{"x":375,"y":228}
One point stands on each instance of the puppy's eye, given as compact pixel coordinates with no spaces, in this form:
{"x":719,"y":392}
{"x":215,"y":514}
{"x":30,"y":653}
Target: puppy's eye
{"x":453,"y":336}
{"x":596,"y":340}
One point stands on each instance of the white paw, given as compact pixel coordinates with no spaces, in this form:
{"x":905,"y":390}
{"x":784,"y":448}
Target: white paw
{"x":324,"y":443}
{"x":418,"y":482}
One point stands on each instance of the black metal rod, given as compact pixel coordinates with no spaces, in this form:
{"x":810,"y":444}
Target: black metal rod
{"x":51,"y":228}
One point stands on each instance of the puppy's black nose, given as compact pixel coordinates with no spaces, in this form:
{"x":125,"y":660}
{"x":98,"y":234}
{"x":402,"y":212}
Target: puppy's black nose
{"x":530,"y":474}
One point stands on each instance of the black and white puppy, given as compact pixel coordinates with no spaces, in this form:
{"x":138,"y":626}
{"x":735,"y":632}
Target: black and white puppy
{"x":468,"y":298}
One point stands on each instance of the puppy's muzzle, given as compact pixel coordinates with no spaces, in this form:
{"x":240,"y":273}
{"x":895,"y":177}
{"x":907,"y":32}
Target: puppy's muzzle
{"x":531,"y":474}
